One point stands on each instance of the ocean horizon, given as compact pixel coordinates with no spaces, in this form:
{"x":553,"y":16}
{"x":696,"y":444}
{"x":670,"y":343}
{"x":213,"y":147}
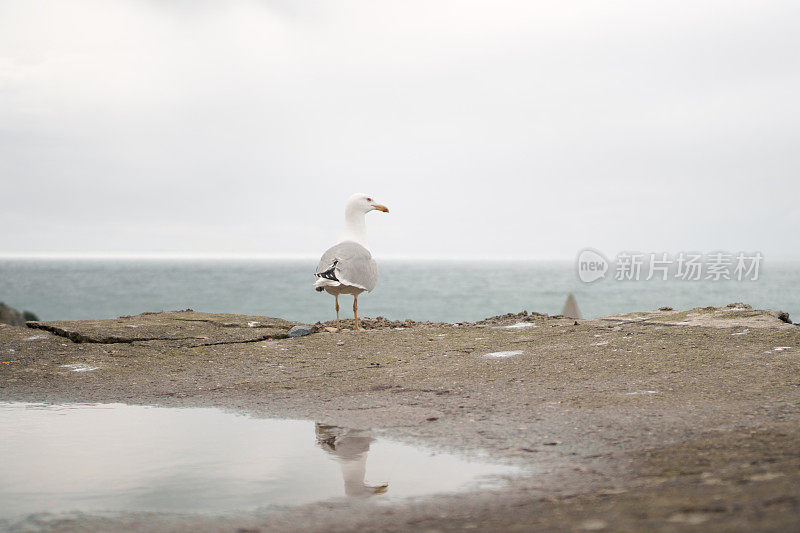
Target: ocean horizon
{"x":440,"y":290}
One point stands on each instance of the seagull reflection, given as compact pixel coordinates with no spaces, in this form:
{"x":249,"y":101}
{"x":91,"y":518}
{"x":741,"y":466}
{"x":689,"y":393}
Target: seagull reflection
{"x":350,"y":447}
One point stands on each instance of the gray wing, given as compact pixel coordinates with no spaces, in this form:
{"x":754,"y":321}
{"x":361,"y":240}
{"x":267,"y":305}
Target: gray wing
{"x":349,"y":263}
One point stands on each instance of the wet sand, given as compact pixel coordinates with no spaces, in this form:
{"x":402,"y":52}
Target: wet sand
{"x":660,"y":421}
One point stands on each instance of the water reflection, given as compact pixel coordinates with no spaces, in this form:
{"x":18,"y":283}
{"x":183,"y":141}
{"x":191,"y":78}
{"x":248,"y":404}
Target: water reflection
{"x":350,"y":447}
{"x":126,"y":458}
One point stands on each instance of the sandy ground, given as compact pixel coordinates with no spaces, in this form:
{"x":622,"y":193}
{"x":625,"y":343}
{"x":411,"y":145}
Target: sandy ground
{"x":661,"y":421}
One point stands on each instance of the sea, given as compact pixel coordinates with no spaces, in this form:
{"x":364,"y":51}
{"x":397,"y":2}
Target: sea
{"x":440,"y":291}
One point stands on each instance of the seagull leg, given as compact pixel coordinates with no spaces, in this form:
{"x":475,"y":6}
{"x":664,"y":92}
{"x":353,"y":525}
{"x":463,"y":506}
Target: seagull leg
{"x":355,"y":311}
{"x":337,"y":313}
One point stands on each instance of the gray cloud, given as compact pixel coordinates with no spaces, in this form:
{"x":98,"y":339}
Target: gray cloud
{"x":514,"y":129}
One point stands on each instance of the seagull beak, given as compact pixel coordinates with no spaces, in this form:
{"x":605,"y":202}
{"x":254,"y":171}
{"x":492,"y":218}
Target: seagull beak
{"x":383,"y":208}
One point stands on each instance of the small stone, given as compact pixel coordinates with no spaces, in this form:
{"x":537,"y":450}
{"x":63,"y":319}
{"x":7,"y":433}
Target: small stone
{"x":665,"y":308}
{"x":300,"y":331}
{"x":783,"y":316}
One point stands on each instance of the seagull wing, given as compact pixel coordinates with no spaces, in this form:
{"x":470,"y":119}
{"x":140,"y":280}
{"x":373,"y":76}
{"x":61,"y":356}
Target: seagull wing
{"x":349,"y":263}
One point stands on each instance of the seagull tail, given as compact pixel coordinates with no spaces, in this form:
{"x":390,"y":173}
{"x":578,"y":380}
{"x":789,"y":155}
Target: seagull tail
{"x":321,"y":283}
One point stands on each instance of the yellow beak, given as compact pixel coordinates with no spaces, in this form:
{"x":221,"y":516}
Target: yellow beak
{"x":382,"y":208}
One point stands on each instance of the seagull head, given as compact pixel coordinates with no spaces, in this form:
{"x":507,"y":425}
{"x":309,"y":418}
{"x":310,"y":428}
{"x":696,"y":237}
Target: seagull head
{"x":364,"y":203}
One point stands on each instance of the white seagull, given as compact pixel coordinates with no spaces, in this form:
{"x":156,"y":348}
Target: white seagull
{"x":348,"y":267}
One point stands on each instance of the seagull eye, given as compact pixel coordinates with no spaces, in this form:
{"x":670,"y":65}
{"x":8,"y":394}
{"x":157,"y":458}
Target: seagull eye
{"x":369,"y":199}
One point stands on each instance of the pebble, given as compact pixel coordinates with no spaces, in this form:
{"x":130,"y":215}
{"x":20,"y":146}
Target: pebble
{"x":300,"y":331}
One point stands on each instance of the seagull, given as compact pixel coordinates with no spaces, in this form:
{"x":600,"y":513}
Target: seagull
{"x":348,"y":267}
{"x":350,"y":447}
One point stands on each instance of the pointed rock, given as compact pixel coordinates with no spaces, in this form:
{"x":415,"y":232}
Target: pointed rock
{"x":571,"y":308}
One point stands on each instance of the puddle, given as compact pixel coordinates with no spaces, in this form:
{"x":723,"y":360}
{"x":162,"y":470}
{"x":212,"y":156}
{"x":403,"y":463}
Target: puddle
{"x":520,"y":325}
{"x":113,"y":458}
{"x":80,"y":367}
{"x":500,"y":355}
{"x":779,"y":349}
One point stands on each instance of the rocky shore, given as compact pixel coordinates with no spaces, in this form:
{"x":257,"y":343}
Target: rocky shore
{"x":12,"y":317}
{"x":661,"y":420}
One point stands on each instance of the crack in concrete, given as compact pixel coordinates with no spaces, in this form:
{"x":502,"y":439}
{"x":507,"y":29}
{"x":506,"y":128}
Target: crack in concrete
{"x":206,"y":320}
{"x":259,"y":339}
{"x":232,"y":324}
{"x":79,"y":338}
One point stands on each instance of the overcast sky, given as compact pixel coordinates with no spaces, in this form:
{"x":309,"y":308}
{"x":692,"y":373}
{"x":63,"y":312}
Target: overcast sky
{"x":491,"y":129}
